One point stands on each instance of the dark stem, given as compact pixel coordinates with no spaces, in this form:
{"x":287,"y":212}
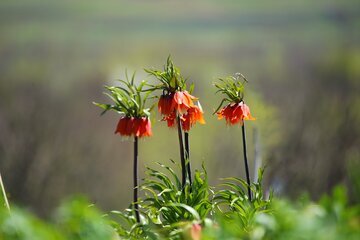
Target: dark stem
{"x":245,"y":160}
{"x":182,"y":155}
{"x":136,"y":206}
{"x":187,"y":156}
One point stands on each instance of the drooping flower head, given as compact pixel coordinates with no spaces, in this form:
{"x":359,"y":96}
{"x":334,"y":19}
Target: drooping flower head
{"x":175,"y":99}
{"x":170,"y":119}
{"x":179,"y":101}
{"x":165,"y":104}
{"x":183,"y":101}
{"x":193,"y":115}
{"x":188,"y":119}
{"x":130,"y":126}
{"x":236,"y":111}
{"x":129,"y":102}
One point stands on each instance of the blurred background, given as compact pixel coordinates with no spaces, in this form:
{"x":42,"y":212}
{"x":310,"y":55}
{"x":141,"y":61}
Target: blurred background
{"x":302,"y":59}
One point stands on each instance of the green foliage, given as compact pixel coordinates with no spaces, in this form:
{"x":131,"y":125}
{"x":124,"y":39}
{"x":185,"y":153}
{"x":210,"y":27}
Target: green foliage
{"x":170,"y":78}
{"x":126,"y":226}
{"x":230,"y":214}
{"x":21,"y":225}
{"x":75,"y":220}
{"x":168,"y":210}
{"x":233,"y":202}
{"x":168,"y":203}
{"x":167,"y":214}
{"x":127,"y":98}
{"x":171,"y":207}
{"x":330,"y":219}
{"x":232,"y":88}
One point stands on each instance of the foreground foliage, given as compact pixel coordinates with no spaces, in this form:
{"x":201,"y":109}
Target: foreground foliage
{"x":330,"y":218}
{"x":75,"y":219}
{"x":199,"y":212}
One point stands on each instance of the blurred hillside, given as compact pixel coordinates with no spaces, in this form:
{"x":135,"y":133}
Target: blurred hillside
{"x":302,"y":60}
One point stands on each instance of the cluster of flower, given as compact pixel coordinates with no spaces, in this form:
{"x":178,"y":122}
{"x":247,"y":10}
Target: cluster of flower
{"x":181,"y":104}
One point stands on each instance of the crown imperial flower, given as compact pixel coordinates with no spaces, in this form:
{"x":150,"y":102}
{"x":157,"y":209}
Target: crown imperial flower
{"x":165,"y":104}
{"x":193,"y":115}
{"x":129,"y":102}
{"x":183,"y":101}
{"x":130,"y":126}
{"x":235,"y":113}
{"x":176,"y":105}
{"x":176,"y":101}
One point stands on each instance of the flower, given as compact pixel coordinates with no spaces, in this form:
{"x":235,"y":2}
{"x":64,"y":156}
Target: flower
{"x":235,"y":113}
{"x":129,"y":101}
{"x":179,"y":101}
{"x":137,"y":127}
{"x":165,"y":105}
{"x":193,"y":115}
{"x":183,"y":101}
{"x":122,"y":126}
{"x":188,"y":119}
{"x":170,"y":119}
{"x":195,"y":231}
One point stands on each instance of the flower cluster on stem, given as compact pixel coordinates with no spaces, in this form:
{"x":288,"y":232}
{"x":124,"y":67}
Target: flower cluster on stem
{"x":236,"y":111}
{"x":134,"y":120}
{"x":177,"y":107}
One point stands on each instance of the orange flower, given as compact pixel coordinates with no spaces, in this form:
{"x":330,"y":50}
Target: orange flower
{"x":143,"y":128}
{"x":166,"y":105}
{"x":170,"y":119}
{"x":193,"y":115}
{"x":122,"y":126}
{"x":246,"y":113}
{"x":180,"y":101}
{"x":195,"y":231}
{"x":183,"y":101}
{"x":235,"y":113}
{"x":138,"y":127}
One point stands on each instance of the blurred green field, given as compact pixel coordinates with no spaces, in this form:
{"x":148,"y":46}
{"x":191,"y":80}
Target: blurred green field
{"x":302,"y":60}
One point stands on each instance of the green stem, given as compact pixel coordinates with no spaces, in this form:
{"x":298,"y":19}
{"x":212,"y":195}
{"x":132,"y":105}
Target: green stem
{"x":187,"y":156}
{"x":136,"y":206}
{"x":245,"y":160}
{"x":6,"y":202}
{"x":182,"y":155}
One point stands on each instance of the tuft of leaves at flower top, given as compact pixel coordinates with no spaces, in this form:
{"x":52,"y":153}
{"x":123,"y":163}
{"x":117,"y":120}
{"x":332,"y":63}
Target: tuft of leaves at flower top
{"x":127,"y":98}
{"x":170,"y":78}
{"x":232,"y":87}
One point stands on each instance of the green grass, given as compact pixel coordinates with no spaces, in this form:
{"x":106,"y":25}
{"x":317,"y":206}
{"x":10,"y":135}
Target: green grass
{"x":170,"y":213}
